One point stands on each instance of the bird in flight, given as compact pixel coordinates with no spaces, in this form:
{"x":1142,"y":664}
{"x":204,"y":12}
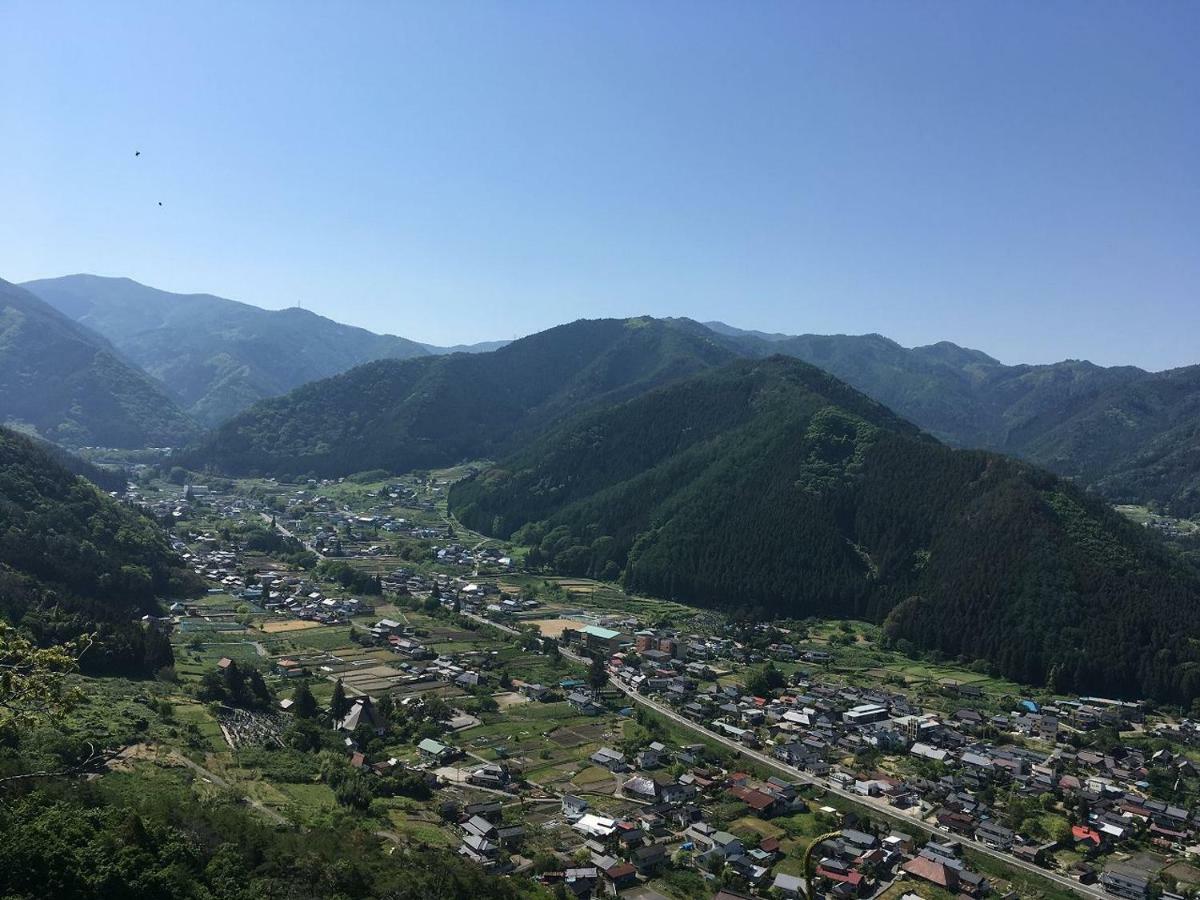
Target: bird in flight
{"x":160,"y":203}
{"x":137,"y":152}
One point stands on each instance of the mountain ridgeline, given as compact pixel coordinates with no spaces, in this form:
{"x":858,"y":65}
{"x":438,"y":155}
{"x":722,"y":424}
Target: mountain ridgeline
{"x":216,"y":356}
{"x":69,"y":385}
{"x":770,"y":486}
{"x":75,"y":561}
{"x":404,"y":414}
{"x":1130,"y":434}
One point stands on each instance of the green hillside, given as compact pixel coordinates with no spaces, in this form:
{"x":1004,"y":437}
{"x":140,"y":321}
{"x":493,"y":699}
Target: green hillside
{"x":770,"y":486}
{"x":1129,"y":433}
{"x":400,"y":415}
{"x":75,"y":561}
{"x":70,"y":386}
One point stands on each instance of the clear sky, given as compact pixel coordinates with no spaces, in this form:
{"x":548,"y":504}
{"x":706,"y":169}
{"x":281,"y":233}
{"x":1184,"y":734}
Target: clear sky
{"x":1019,"y":177}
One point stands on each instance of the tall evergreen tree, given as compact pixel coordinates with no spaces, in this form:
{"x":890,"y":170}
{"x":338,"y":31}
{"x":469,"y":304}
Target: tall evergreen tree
{"x":339,"y":705}
{"x":597,"y":673}
{"x":304,"y":704}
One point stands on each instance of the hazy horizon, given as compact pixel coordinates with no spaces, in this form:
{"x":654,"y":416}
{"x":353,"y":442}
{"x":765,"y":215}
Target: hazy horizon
{"x":1020,"y":180}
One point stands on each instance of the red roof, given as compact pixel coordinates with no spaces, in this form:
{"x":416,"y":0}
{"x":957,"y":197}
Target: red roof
{"x":769,"y":844}
{"x":920,"y":867}
{"x":1082,"y":833}
{"x":755,"y":799}
{"x":622,"y":870}
{"x":851,"y":878}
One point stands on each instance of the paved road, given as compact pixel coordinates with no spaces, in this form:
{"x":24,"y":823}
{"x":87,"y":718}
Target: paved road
{"x":286,"y":533}
{"x":482,"y":621}
{"x":259,"y":647}
{"x":867,"y":802}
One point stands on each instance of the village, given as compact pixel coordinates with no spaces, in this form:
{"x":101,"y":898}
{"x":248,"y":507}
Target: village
{"x":611,"y":745}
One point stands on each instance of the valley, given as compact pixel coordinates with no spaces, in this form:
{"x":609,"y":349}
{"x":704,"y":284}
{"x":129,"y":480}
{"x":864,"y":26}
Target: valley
{"x":553,"y":727}
{"x":628,"y":608}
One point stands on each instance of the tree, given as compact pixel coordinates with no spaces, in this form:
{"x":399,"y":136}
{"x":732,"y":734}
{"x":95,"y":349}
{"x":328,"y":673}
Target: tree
{"x":259,"y":690}
{"x":765,"y":680}
{"x":385,"y":709}
{"x":339,"y":705}
{"x":33,"y":681}
{"x":597,"y":673}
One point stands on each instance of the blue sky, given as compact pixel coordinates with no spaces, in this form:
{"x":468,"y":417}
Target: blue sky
{"x":1019,"y":177}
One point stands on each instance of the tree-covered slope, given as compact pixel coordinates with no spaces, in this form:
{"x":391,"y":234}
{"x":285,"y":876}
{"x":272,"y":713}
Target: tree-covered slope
{"x":74,"y":561}
{"x":1138,"y":442}
{"x":217,"y":356}
{"x":770,"y":485}
{"x":1129,"y":433}
{"x":70,"y":386}
{"x":404,"y":414}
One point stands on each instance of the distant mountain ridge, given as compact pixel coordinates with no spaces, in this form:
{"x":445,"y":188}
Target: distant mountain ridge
{"x":216,"y":356}
{"x":772,"y":488}
{"x":71,"y":386}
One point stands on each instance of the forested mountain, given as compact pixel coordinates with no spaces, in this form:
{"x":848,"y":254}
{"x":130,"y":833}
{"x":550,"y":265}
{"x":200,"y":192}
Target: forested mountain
{"x":74,"y":561}
{"x":769,"y":485}
{"x":1135,"y":443}
{"x":71,"y":386}
{"x":1127,"y":432}
{"x":216,"y":356}
{"x":404,"y":414}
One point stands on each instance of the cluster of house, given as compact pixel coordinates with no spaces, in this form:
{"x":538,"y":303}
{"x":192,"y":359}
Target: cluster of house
{"x":671,"y":817}
{"x":1172,"y":528}
{"x":486,"y":839}
{"x":314,"y":606}
{"x":406,"y":581}
{"x":229,"y":506}
{"x":468,"y":558}
{"x":814,"y":726}
{"x":662,"y":647}
{"x":329,"y":524}
{"x":218,"y":566}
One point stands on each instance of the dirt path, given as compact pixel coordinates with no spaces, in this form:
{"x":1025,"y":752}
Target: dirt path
{"x":216,"y":779}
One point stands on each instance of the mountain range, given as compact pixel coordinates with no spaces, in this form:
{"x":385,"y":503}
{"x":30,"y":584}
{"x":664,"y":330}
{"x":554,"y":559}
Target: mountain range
{"x":416,"y":413}
{"x":71,"y":386}
{"x":772,"y":487}
{"x":216,"y":356}
{"x":1131,"y":434}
